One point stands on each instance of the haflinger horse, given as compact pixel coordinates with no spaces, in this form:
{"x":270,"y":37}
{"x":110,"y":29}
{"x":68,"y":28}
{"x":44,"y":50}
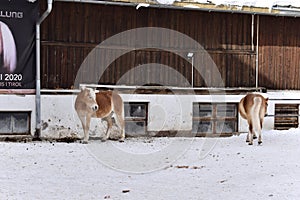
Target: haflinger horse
{"x":100,"y":104}
{"x":86,"y":107}
{"x":253,"y":108}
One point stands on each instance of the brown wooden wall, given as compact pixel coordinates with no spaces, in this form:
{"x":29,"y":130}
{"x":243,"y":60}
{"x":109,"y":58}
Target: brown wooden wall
{"x":73,"y":30}
{"x":279,"y":52}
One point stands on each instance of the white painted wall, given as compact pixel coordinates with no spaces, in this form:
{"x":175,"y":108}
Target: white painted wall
{"x":17,"y":103}
{"x":165,"y":112}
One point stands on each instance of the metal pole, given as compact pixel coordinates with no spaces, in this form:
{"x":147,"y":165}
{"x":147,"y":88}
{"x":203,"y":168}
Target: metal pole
{"x":252,"y":33}
{"x":38,"y":72}
{"x":257,"y":53}
{"x":38,"y":85}
{"x":193,"y":71}
{"x":190,"y":55}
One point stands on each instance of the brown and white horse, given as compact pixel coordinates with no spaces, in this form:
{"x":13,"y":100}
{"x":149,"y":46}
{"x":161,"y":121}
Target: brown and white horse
{"x":105,"y":105}
{"x":111,"y":106}
{"x":86,"y":107}
{"x":253,"y":108}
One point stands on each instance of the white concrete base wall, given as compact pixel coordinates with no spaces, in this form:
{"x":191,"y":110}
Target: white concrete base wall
{"x":165,"y":112}
{"x":17,"y":103}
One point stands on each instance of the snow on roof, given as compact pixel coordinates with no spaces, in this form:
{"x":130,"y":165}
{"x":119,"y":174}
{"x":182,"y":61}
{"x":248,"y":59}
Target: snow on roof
{"x":240,"y":3}
{"x":278,"y":7}
{"x":255,"y":3}
{"x":268,"y":7}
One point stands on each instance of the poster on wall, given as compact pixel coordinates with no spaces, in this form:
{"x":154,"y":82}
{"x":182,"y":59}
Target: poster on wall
{"x":17,"y":43}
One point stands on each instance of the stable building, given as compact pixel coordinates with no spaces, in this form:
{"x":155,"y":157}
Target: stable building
{"x":181,"y":67}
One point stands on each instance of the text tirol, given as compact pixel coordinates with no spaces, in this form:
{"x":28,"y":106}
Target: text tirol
{"x":11,"y":80}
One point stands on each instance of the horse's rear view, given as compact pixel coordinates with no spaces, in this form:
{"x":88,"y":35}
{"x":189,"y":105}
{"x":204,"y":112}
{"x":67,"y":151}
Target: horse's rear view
{"x":253,"y":108}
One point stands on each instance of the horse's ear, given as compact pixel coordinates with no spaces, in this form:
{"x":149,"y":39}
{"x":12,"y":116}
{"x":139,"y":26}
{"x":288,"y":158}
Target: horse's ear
{"x":267,"y":99}
{"x":82,"y":88}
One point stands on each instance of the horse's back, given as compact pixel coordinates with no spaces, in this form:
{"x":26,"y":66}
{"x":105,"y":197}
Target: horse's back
{"x":104,"y":102}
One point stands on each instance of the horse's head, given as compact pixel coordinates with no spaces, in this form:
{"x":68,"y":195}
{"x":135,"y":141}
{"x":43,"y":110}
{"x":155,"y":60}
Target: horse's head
{"x":86,"y":99}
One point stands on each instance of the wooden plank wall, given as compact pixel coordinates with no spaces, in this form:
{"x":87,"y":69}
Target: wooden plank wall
{"x":279,"y":52}
{"x":73,"y":30}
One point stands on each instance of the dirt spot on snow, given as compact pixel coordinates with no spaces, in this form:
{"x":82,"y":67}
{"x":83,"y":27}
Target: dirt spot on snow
{"x":187,"y":167}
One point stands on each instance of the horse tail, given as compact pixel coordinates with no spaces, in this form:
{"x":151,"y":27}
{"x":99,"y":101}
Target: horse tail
{"x":255,"y":118}
{"x":242,"y":109}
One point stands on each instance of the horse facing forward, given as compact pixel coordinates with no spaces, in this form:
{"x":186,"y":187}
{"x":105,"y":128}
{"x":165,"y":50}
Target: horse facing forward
{"x":105,"y":105}
{"x":253,"y":108}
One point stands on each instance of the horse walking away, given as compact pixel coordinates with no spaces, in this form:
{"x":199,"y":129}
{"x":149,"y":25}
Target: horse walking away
{"x":102,"y":104}
{"x":253,"y":108}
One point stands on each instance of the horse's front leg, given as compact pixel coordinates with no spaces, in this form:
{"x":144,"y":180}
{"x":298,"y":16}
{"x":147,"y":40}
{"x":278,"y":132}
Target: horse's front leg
{"x":86,"y":129}
{"x":83,"y":121}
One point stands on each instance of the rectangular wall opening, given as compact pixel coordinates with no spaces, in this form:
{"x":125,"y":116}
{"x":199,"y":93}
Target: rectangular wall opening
{"x":14,"y":123}
{"x":136,"y":116}
{"x":214,"y":119}
{"x":286,"y":116}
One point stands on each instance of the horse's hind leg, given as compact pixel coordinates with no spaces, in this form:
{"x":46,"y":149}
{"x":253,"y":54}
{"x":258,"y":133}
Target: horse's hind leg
{"x":254,"y":136}
{"x":259,"y":132}
{"x":121,"y":124}
{"x":250,"y":134}
{"x":259,"y":136}
{"x":109,"y":125}
{"x":248,"y":137}
{"x":118,"y":108}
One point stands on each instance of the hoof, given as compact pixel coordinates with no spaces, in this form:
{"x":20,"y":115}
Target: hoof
{"x":85,"y":142}
{"x":121,"y":140}
{"x":250,"y":143}
{"x":103,"y":140}
{"x":247,"y":141}
{"x":254,"y":137}
{"x":259,"y":142}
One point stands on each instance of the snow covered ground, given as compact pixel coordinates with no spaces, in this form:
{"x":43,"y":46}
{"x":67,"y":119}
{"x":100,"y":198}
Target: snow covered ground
{"x":154,"y":168}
